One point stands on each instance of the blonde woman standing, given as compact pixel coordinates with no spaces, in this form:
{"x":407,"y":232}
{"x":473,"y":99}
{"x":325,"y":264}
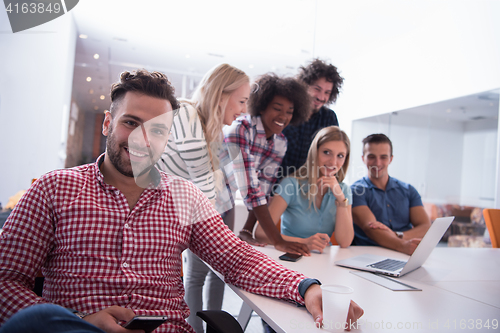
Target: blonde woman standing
{"x":192,"y":153}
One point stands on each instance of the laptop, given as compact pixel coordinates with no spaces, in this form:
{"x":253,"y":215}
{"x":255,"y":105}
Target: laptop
{"x":393,"y":267}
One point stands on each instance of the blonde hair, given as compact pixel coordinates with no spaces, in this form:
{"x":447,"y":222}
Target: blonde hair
{"x":310,"y":172}
{"x":210,"y":99}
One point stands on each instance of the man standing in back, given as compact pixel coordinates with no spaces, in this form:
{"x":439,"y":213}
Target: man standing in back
{"x":324,"y":84}
{"x":386,"y":211}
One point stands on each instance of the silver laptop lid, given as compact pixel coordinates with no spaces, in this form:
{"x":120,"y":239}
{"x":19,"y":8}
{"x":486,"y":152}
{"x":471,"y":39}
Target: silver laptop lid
{"x":428,"y":243}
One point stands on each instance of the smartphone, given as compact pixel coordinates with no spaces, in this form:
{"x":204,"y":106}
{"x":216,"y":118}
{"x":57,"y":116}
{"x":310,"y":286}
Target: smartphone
{"x":146,"y":323}
{"x":290,"y":257}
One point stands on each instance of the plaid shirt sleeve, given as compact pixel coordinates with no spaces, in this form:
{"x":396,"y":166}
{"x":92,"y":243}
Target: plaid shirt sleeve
{"x":29,"y":226}
{"x":239,"y":134}
{"x":241,"y":264}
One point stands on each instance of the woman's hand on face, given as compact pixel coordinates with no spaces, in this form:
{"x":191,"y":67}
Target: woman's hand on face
{"x":331,"y":183}
{"x":317,"y":242}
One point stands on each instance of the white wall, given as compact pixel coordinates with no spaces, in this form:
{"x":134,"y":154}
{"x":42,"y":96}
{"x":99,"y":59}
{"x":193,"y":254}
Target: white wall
{"x":427,"y":153}
{"x":479,"y":163}
{"x":36,"y":69}
{"x":447,"y":161}
{"x":453,"y":50}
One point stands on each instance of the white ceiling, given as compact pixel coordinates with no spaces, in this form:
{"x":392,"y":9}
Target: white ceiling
{"x":186,"y":38}
{"x":463,"y":109}
{"x":481,"y":108}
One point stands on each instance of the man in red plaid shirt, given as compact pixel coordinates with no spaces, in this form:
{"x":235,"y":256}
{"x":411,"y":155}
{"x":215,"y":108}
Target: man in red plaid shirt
{"x":108,"y":236}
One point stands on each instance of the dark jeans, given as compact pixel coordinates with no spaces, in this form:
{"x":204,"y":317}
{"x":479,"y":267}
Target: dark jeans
{"x":42,"y":318}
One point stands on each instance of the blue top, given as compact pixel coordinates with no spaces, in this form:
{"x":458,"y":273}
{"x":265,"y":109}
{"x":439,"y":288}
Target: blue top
{"x":299,"y":220}
{"x":300,"y":137}
{"x":390,"y":207}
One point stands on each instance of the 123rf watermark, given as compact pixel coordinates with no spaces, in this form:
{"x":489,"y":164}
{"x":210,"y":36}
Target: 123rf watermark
{"x":437,"y":325}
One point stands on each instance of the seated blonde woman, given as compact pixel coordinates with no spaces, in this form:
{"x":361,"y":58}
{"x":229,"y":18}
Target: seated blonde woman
{"x":314,"y":202}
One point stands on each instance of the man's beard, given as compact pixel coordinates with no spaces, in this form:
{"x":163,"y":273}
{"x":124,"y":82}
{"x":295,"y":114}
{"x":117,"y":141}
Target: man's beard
{"x":317,"y":108}
{"x":123,"y":166}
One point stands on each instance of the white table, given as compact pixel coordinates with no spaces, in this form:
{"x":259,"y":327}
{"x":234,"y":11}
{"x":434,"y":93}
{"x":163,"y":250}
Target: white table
{"x":460,"y":292}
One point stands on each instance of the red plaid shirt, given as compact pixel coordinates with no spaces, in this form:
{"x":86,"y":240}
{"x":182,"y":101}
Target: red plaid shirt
{"x":261,"y":157}
{"x":95,"y":252}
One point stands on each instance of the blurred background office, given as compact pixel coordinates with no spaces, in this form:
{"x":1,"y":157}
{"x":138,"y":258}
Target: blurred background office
{"x":426,"y":73}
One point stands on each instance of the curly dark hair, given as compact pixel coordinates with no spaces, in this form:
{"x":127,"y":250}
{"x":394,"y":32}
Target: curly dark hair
{"x":153,"y":84}
{"x":270,"y":85}
{"x":318,"y":69}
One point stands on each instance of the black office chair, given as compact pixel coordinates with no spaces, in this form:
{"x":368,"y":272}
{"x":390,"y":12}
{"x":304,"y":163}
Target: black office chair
{"x":219,"y":322}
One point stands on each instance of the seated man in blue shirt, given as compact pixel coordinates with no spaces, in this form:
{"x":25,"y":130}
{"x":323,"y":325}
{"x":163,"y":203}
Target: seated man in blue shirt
{"x":386,"y":211}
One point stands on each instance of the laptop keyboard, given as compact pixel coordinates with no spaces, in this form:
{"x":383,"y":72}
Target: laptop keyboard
{"x":390,"y":265}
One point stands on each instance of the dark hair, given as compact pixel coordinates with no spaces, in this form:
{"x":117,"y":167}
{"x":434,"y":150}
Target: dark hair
{"x":270,"y":85}
{"x":153,"y":84}
{"x":377,"y":138}
{"x":318,"y":69}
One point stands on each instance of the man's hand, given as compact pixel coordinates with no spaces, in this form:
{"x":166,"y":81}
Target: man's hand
{"x":292,"y":247}
{"x":406,"y":246}
{"x":109,"y":319}
{"x":409,"y":246}
{"x":244,"y":236}
{"x":355,"y":312}
{"x":313,"y":299}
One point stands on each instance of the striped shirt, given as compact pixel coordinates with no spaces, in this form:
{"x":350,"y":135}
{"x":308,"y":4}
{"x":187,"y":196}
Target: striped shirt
{"x":186,"y":154}
{"x":261,"y":157}
{"x":95,"y":252}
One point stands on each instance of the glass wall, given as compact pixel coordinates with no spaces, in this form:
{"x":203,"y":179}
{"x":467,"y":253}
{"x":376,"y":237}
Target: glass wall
{"x":447,"y":150}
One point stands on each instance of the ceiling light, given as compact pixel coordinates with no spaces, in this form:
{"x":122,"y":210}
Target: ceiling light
{"x":96,"y":56}
{"x":91,"y":91}
{"x":82,"y":36}
{"x":103,"y":97}
{"x":89,"y":79}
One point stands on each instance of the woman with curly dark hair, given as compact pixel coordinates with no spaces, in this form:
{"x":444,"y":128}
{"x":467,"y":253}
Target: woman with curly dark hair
{"x":273,"y":105}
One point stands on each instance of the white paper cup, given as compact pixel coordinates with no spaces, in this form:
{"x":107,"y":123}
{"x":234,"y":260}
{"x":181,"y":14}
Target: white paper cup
{"x":336,"y":301}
